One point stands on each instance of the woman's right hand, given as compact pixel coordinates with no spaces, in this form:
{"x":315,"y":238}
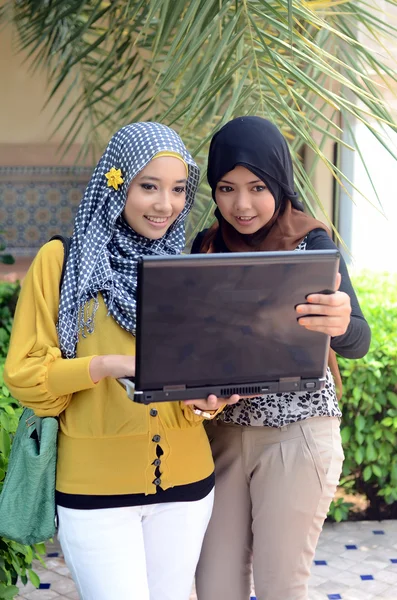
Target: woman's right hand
{"x":112,"y":365}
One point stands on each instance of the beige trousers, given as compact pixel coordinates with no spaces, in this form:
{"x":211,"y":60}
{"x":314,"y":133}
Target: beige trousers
{"x":272,"y":493}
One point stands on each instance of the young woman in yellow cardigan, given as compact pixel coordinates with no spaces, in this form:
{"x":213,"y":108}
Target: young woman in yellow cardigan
{"x":134,"y":487}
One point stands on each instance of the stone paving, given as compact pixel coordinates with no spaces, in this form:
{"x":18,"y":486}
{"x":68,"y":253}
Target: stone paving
{"x":354,"y":561}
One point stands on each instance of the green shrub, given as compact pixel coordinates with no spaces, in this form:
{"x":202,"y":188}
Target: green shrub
{"x":369,"y":403}
{"x":15,"y":559}
{"x":6,"y":259}
{"x":8,"y":299}
{"x":339,"y":509}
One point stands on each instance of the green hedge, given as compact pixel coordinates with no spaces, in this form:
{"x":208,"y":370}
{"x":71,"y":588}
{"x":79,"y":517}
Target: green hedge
{"x":8,"y":299}
{"x":369,"y":403}
{"x":6,"y":259}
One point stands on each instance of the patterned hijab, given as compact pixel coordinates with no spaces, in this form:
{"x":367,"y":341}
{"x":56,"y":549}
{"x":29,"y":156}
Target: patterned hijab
{"x":104,"y":249}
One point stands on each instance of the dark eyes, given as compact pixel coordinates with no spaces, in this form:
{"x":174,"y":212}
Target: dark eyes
{"x":150,"y":187}
{"x":227,"y":188}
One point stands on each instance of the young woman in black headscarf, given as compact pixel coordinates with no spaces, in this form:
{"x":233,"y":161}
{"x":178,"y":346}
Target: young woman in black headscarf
{"x":278,"y":457}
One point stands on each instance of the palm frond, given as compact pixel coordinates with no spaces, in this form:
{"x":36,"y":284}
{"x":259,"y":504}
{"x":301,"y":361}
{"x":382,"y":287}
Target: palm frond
{"x":195,"y":64}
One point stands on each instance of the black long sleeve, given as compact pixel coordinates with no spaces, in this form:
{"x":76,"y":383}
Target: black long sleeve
{"x":355,"y":342}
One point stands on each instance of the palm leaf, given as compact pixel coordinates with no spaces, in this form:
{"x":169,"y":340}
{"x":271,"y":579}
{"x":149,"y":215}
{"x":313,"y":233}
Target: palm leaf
{"x":195,"y":64}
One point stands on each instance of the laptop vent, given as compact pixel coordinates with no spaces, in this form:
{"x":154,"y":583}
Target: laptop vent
{"x":247,"y":390}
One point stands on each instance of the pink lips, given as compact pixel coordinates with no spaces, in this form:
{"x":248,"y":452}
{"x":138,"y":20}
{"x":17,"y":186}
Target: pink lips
{"x":245,"y":222}
{"x":158,"y":224}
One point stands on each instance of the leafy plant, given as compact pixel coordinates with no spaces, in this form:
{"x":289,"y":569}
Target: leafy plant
{"x":6,"y":259}
{"x":15,"y":559}
{"x":10,"y":411}
{"x":339,"y":510}
{"x":369,"y":405}
{"x":307,"y":65}
{"x":8,"y":299}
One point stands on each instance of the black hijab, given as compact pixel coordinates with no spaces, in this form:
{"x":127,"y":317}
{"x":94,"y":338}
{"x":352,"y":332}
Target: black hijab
{"x":258,"y":145}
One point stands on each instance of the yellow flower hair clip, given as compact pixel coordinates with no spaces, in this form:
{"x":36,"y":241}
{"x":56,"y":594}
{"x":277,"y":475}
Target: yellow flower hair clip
{"x":114,"y":178}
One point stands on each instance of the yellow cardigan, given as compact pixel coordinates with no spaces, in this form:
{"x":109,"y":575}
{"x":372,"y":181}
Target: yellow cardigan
{"x":105,"y":443}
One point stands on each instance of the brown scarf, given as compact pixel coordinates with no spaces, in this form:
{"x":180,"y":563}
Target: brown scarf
{"x":286,"y":229}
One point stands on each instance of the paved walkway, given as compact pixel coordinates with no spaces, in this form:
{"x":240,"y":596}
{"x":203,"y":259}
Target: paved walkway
{"x":354,"y":561}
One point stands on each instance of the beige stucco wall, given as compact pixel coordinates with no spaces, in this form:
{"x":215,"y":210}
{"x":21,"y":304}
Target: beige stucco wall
{"x":323,"y":182}
{"x":25,"y":126}
{"x":320,"y":174}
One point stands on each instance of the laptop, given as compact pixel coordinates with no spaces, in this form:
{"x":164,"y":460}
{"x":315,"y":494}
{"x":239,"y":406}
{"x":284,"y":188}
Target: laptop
{"x":226,"y":324}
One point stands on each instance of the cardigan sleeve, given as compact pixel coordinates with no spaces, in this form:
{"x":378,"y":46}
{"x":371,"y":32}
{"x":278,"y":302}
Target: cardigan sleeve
{"x":35,"y":371}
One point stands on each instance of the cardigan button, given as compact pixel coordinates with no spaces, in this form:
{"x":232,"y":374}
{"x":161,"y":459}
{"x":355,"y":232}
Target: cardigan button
{"x":156,"y":438}
{"x":153,"y":412}
{"x":157,"y":481}
{"x":157,"y":462}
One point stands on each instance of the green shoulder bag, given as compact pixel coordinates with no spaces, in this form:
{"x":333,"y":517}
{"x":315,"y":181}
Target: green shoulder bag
{"x":27,"y":500}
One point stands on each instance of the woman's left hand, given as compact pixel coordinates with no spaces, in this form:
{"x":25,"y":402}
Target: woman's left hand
{"x":213,"y":402}
{"x":332,"y":312}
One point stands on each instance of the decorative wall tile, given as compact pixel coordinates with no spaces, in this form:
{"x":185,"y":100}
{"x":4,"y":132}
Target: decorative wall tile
{"x":37,"y":203}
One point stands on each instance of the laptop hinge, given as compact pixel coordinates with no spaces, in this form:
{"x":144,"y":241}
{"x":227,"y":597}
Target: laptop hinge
{"x":174,"y":388}
{"x":288,"y":384}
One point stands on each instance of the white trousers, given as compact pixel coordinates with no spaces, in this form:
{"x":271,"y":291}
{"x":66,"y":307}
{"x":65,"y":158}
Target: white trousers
{"x":135,"y":553}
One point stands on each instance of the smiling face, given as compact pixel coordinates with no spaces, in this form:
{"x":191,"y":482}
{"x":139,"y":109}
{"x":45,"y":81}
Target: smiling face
{"x":244,"y":200}
{"x":156,"y":197}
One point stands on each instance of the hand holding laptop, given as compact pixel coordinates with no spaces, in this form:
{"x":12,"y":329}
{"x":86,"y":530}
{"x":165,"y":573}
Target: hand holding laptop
{"x":112,"y":365}
{"x":213,"y":402}
{"x":327,"y":313}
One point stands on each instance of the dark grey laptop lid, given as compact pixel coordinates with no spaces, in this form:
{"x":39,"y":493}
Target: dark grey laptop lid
{"x":223,"y":319}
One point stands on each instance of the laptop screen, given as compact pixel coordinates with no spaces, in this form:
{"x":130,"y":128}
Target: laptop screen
{"x":224,"y":319}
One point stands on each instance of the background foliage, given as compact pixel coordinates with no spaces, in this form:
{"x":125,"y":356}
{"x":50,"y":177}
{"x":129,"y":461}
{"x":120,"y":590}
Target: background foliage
{"x":6,"y":259}
{"x":308,"y":65}
{"x":369,"y":404}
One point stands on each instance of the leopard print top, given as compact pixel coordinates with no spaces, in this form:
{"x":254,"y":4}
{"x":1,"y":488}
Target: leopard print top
{"x":277,"y":410}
